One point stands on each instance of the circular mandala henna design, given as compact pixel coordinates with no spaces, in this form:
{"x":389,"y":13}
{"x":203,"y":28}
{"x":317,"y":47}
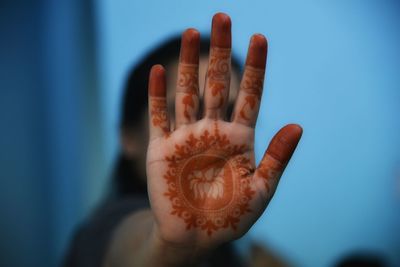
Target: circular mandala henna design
{"x":206,"y":182}
{"x":209,"y":182}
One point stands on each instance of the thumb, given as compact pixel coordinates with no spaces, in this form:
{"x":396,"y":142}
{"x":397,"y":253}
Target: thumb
{"x":276,"y":157}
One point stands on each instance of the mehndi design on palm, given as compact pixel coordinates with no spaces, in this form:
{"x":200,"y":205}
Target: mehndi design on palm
{"x":203,"y":184}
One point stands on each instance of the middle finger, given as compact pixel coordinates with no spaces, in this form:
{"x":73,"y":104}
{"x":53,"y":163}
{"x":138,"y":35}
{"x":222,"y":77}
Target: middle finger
{"x":216,"y":90}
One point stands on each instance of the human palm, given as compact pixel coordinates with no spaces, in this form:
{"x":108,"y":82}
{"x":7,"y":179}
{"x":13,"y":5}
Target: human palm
{"x":203,"y":184}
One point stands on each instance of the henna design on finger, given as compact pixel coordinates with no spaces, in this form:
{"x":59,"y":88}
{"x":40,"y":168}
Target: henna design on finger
{"x":219,"y":66}
{"x":159,"y":113}
{"x":188,"y":84}
{"x":208,"y":182}
{"x":218,"y":73}
{"x":250,"y":101}
{"x":252,"y":84}
{"x":270,"y":170}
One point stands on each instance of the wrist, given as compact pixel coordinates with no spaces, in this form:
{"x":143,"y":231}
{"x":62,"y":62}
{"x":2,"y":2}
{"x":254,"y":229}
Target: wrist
{"x":174,"y":254}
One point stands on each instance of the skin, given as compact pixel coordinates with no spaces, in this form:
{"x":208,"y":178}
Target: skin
{"x":204,"y":187}
{"x":134,"y":140}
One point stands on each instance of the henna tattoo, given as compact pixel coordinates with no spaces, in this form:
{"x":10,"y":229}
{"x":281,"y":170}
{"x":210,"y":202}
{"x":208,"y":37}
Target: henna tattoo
{"x":208,"y":182}
{"x":159,"y":113}
{"x":250,"y":101}
{"x":217,"y":88}
{"x":188,"y":78}
{"x":252,"y":84}
{"x":188,"y":84}
{"x":219,"y":67}
{"x":218,"y":73}
{"x":270,"y":170}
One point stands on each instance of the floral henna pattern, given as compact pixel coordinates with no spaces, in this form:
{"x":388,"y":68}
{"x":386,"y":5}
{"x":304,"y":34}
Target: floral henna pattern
{"x":188,"y":84}
{"x":270,"y":170}
{"x":252,"y":84}
{"x":250,"y":101}
{"x":159,"y":113}
{"x":218,"y":88}
{"x":218,"y":73}
{"x":219,"y":67}
{"x":208,"y":182}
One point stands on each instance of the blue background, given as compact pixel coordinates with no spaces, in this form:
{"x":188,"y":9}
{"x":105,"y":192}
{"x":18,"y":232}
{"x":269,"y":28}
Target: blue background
{"x":333,"y":67}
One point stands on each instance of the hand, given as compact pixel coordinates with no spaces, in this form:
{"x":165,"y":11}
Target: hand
{"x":203,"y":185}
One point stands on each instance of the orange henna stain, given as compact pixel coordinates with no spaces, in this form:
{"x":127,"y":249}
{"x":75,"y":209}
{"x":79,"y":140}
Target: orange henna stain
{"x":218,"y":73}
{"x":208,"y":182}
{"x":187,"y":101}
{"x":252,"y":84}
{"x":270,"y":170}
{"x":250,"y":101}
{"x":257,"y":55}
{"x":190,"y":47}
{"x":218,"y":89}
{"x":279,"y":152}
{"x":188,"y":84}
{"x":159,"y":113}
{"x":221,"y":31}
{"x":219,"y":65}
{"x":284,"y":142}
{"x":157,"y":81}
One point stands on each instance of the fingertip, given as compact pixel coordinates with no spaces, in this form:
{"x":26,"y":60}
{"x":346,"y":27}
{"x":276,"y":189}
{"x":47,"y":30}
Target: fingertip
{"x":259,"y":40}
{"x":157,"y":68}
{"x":157,"y":72}
{"x":190,"y":36}
{"x":257,"y":55}
{"x":190,"y":46}
{"x":284,"y":143}
{"x":157,"y":82}
{"x":221,"y":30}
{"x":222,"y":18}
{"x":293,"y":131}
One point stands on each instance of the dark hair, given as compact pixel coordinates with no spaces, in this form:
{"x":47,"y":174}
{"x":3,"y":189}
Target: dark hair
{"x":135,"y":101}
{"x":363,"y":259}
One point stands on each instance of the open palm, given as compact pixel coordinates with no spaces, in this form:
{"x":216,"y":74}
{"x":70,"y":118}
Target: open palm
{"x":203,"y":184}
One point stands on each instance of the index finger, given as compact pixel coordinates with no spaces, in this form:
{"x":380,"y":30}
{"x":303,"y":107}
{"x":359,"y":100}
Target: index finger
{"x":251,"y":86}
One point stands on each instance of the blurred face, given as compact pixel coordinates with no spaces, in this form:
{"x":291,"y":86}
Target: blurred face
{"x":134,"y":141}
